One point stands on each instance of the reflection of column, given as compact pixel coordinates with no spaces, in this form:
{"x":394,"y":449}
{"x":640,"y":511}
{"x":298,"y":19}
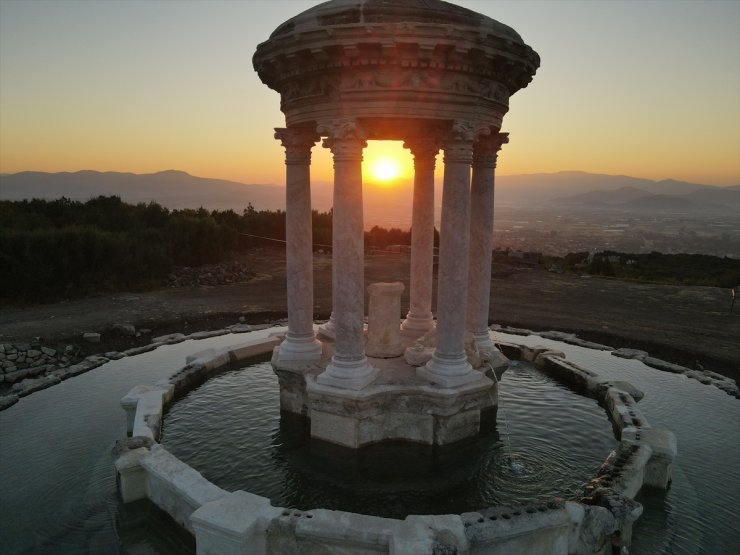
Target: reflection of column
{"x":348,"y":367}
{"x":485,"y":152}
{"x":419,"y":318}
{"x":449,"y":366}
{"x":300,"y":342}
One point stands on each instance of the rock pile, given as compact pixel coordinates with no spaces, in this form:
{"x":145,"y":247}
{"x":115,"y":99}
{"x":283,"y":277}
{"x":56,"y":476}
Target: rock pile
{"x":210,"y":274}
{"x":19,"y":361}
{"x":29,"y":367}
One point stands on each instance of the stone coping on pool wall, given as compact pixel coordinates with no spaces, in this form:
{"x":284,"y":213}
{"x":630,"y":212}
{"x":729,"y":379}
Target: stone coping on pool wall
{"x":239,"y":522}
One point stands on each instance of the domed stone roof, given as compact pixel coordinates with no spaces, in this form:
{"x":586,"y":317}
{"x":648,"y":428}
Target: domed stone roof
{"x":382,"y":60}
{"x":345,"y":12}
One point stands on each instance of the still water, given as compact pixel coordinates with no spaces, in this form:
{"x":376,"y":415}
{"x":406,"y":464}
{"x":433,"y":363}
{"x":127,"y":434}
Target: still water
{"x":229,"y":429}
{"x":57,"y":486}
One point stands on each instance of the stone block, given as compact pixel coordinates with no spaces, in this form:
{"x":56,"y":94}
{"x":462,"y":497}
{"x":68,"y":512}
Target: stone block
{"x":443,"y":533}
{"x":91,"y":337}
{"x":449,"y":429}
{"x":342,"y":430}
{"x":175,"y":487}
{"x":340,"y":532}
{"x":253,"y":348}
{"x":131,"y":476}
{"x":125,"y":329}
{"x":169,"y":338}
{"x":148,"y":416}
{"x":397,"y":425}
{"x":233,"y":525}
{"x":658,"y":470}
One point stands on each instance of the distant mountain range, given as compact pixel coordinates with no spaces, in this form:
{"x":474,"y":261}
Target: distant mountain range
{"x":563,"y":190}
{"x":634,"y":199}
{"x":171,"y":188}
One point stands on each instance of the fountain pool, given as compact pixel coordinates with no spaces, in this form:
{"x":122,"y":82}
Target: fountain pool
{"x":57,"y":488}
{"x":544,"y":455}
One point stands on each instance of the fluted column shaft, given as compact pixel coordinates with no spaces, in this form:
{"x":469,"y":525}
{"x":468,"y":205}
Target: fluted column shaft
{"x":348,"y":367}
{"x":300,"y":342}
{"x":485,"y":154}
{"x":419,"y":319}
{"x":449,"y":366}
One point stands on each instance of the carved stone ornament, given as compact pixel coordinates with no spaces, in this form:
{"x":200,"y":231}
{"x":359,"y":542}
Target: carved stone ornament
{"x":458,"y":142}
{"x":486,"y":148}
{"x":346,"y":139}
{"x":394,"y":58}
{"x":423,"y":149}
{"x":298,"y":142}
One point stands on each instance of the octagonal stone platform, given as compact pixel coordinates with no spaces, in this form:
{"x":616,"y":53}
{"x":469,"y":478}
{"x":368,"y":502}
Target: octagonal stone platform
{"x":397,"y":405}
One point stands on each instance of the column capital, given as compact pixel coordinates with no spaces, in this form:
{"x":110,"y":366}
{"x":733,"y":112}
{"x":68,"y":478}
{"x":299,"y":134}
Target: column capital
{"x":346,"y":139}
{"x":423,"y":149}
{"x":298,"y":142}
{"x":458,"y":142}
{"x":486,"y":148}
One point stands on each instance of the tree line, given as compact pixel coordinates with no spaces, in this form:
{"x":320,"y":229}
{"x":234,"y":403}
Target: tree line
{"x":656,"y":267}
{"x":57,"y":249}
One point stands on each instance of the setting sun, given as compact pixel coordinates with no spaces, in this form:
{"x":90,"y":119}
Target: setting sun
{"x":385,"y":170}
{"x":386,"y":162}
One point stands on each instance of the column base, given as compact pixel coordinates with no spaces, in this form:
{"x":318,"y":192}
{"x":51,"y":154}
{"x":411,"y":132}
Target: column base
{"x":449,"y":372}
{"x":296,"y":347}
{"x":415,"y":327}
{"x":354,"y":375}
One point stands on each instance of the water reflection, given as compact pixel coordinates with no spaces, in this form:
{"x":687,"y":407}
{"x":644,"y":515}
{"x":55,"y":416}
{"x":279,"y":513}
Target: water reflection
{"x":546,"y":454}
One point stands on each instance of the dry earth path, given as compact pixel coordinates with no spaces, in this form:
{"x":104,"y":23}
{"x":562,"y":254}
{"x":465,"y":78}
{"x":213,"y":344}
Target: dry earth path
{"x":686,"y":325}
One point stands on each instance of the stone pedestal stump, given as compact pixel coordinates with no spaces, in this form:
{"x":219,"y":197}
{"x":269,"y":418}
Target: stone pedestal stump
{"x":383,"y":330}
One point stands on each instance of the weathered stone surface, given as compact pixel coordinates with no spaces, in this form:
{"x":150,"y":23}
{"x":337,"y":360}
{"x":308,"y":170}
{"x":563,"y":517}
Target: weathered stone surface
{"x":91,"y":337}
{"x":175,"y":487}
{"x":169,"y":338}
{"x":30,"y":385}
{"x":630,"y":353}
{"x":8,"y":401}
{"x":665,"y":366}
{"x":383,"y":328}
{"x":418,"y":354}
{"x":127,"y":330}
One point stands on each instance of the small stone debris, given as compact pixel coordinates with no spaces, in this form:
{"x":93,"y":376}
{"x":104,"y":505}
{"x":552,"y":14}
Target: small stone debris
{"x":209,"y":275}
{"x":91,"y":337}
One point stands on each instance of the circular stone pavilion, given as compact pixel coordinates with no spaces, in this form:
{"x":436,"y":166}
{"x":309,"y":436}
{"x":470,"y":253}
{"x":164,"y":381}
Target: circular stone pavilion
{"x":436,"y":76}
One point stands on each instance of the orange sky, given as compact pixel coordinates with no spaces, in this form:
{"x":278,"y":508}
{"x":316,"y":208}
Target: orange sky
{"x":649,"y":89}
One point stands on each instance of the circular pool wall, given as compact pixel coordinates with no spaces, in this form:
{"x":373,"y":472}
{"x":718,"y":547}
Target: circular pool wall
{"x":547,"y":441}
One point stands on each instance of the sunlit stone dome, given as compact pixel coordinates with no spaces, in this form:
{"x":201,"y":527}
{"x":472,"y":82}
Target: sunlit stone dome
{"x":400,"y":59}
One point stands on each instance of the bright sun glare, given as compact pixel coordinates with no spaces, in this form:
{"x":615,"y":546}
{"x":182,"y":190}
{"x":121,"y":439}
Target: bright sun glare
{"x":385,"y":169}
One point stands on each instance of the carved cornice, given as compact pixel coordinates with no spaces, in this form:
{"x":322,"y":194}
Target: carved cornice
{"x":298,"y":142}
{"x":346,"y":139}
{"x":324,"y":62}
{"x":486,"y":148}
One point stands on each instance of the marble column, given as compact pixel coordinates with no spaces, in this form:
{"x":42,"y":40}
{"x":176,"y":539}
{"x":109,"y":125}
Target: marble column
{"x":485,"y":153}
{"x":349,"y":367}
{"x":300,"y":343}
{"x":419,"y":319}
{"x":449,"y":366}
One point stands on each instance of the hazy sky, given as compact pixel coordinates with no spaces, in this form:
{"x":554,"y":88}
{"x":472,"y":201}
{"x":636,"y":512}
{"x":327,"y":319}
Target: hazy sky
{"x":643,"y":88}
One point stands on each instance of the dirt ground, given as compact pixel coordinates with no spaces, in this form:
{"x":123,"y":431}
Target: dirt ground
{"x":686,"y":325}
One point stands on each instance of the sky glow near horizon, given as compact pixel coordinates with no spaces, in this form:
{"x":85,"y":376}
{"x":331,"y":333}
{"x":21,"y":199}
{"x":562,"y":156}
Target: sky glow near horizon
{"x":648,"y":89}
